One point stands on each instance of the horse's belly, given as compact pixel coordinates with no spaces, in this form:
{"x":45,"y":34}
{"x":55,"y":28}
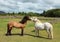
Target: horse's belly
{"x":19,"y":25}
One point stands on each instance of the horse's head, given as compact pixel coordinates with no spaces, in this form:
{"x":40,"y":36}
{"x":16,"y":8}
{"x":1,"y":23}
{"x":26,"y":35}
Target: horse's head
{"x":27,"y":18}
{"x":34,"y":19}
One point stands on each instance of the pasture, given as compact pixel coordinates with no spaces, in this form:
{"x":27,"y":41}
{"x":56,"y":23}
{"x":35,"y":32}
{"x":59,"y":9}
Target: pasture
{"x":29,"y":34}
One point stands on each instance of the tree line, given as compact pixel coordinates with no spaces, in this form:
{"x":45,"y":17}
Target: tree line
{"x":48,"y":13}
{"x":20,"y":13}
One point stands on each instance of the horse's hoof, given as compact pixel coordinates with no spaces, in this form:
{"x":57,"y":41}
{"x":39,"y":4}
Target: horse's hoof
{"x":50,"y":38}
{"x":36,"y":36}
{"x":8,"y":34}
{"x":21,"y":35}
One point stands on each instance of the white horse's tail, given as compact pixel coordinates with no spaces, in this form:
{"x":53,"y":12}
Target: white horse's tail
{"x":51,"y":32}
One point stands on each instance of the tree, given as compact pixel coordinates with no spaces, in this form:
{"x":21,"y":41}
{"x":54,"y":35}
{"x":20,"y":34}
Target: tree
{"x":52,"y":13}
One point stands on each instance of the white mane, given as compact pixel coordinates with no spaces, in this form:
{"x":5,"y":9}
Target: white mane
{"x":35,"y":19}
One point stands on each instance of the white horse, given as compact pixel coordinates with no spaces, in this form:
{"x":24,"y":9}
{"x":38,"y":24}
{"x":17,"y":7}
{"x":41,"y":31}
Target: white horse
{"x":43,"y":26}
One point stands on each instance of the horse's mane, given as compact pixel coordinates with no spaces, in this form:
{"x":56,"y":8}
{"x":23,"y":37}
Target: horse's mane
{"x":24,"y":20}
{"x":38,"y":20}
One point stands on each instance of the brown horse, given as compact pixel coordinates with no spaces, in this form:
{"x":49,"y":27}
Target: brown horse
{"x":21,"y":24}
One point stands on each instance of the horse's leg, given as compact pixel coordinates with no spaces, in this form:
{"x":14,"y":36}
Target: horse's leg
{"x":51,"y":33}
{"x":48,"y":33}
{"x":36,"y":32}
{"x":22,"y":32}
{"x":9,"y":30}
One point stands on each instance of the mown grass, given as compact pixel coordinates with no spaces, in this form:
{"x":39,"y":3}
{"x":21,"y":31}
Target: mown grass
{"x":29,"y":34}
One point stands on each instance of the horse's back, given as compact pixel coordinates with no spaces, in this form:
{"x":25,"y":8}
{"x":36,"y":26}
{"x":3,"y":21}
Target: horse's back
{"x":12,"y":22}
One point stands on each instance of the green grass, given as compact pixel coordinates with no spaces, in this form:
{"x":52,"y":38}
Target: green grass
{"x":28,"y":32}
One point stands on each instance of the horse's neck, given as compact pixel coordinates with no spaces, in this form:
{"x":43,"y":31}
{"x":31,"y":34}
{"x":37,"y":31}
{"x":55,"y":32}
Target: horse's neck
{"x":23,"y":21}
{"x":38,"y":21}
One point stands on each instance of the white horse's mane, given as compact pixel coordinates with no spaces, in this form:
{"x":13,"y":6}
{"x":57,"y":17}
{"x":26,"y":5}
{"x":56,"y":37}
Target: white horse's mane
{"x":37,"y":20}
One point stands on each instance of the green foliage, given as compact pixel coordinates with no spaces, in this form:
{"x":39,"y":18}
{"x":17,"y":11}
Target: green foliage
{"x":33,"y":14}
{"x":52,"y":13}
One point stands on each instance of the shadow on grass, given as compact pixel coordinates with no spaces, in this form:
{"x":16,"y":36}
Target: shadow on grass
{"x":33,"y":31}
{"x":14,"y":34}
{"x":28,"y":35}
{"x":36,"y":36}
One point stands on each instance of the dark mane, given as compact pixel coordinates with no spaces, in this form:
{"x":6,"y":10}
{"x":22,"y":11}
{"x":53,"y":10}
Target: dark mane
{"x":24,"y":20}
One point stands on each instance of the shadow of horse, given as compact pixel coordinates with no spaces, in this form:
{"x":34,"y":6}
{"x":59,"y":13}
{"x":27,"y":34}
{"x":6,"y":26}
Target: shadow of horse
{"x":29,"y":35}
{"x":36,"y":36}
{"x":14,"y":34}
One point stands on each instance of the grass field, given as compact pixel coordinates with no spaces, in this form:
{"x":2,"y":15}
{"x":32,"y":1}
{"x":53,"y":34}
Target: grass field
{"x":28,"y":32}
